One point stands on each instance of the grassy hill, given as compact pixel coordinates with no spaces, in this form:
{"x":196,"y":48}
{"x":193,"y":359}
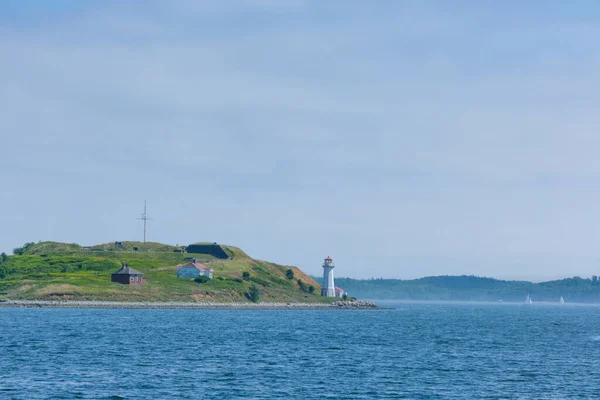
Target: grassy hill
{"x":51,"y":270}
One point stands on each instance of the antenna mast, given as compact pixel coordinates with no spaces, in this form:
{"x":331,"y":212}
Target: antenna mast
{"x":144,"y":218}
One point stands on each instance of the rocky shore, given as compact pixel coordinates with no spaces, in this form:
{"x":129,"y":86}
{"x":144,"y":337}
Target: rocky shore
{"x":338,"y":305}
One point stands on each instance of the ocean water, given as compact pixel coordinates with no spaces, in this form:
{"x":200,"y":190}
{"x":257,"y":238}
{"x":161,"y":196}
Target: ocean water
{"x":415,"y":351}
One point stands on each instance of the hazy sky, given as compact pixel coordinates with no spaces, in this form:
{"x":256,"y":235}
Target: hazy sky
{"x":401,"y":138}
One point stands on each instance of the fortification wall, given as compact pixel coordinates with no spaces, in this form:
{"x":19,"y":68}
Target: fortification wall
{"x":214,"y":250}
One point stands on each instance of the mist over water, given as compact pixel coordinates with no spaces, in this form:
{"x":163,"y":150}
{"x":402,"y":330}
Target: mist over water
{"x":416,"y":350}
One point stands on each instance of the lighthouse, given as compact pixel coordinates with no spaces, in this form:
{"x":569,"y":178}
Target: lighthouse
{"x":328,"y":285}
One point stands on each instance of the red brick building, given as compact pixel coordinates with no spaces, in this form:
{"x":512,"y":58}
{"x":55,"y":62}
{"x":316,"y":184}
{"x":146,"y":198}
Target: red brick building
{"x":128,"y":276}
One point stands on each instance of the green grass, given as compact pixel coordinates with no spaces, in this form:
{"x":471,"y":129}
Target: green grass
{"x":60,"y":271}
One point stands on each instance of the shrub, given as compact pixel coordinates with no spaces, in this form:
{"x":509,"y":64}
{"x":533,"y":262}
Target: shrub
{"x":238,"y":280}
{"x":246,"y":275}
{"x":202,"y":279}
{"x":289,"y":274}
{"x":345,"y":296}
{"x":302,"y":285}
{"x":220,"y":278}
{"x":254,"y":294}
{"x":261,"y":282}
{"x":259,"y":268}
{"x":3,"y":257}
{"x":305,"y":288}
{"x":19,"y":251}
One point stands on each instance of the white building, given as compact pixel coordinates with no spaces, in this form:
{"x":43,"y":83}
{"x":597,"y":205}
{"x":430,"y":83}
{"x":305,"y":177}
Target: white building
{"x":328,"y":289}
{"x":193,"y":270}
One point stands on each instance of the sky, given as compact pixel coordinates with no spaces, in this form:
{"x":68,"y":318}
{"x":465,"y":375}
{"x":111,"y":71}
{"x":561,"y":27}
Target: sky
{"x":401,"y":138}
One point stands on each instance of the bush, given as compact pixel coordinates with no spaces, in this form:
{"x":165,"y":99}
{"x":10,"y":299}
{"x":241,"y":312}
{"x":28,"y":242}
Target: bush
{"x":261,"y":282}
{"x":302,"y":285}
{"x":344,"y":296}
{"x":19,"y":251}
{"x":246,"y":275}
{"x":202,"y":279}
{"x":3,"y":257}
{"x":254,"y":294}
{"x":289,"y":274}
{"x":305,"y":288}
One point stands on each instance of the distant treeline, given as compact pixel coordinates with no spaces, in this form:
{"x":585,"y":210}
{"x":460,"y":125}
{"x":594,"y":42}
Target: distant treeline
{"x":468,"y":287}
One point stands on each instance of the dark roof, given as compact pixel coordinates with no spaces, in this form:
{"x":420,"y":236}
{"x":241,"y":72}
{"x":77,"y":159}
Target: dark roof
{"x":126,"y":270}
{"x":198,"y":266}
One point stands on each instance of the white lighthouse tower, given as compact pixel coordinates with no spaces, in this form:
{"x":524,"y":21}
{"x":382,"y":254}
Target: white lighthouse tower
{"x":328,"y":285}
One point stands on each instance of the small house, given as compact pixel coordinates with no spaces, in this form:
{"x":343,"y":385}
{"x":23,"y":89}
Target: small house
{"x":128,"y":276}
{"x":194,"y":270}
{"x":339,"y":292}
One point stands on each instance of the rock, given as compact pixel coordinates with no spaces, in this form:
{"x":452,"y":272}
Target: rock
{"x":338,"y":305}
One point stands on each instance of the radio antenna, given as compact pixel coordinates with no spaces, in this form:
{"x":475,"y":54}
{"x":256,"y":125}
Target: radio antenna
{"x":145,"y":218}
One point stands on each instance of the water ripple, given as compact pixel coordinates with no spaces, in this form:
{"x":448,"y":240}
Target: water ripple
{"x":419,"y":352}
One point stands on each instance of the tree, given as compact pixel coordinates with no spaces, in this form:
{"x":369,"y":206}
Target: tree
{"x":344,"y":297}
{"x":289,"y":274}
{"x":246,"y":275}
{"x":3,"y":257}
{"x":19,"y":251}
{"x":254,"y":294}
{"x":311,"y":289}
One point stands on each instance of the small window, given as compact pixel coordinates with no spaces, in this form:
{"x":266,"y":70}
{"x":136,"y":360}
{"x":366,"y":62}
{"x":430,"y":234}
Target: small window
{"x":132,"y":279}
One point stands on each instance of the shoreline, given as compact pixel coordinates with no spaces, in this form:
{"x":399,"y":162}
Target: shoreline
{"x":339,"y":305}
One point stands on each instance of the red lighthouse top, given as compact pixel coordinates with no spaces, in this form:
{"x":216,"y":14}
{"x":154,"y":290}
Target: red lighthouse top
{"x":328,"y":258}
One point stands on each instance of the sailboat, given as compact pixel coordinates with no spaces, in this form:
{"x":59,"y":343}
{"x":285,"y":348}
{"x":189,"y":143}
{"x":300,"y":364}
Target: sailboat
{"x":561,"y":301}
{"x":528,"y":299}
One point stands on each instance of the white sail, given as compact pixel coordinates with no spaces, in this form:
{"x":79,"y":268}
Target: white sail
{"x":561,"y":301}
{"x":528,"y":299}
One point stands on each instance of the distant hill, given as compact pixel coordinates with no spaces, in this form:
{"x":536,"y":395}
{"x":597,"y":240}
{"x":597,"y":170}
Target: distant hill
{"x":52,"y":270}
{"x":475,"y":288}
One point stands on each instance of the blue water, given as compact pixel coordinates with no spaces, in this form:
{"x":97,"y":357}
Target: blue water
{"x":416,"y":351}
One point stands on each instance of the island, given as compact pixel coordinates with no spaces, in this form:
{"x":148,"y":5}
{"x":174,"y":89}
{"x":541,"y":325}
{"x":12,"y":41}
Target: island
{"x":155,"y":275}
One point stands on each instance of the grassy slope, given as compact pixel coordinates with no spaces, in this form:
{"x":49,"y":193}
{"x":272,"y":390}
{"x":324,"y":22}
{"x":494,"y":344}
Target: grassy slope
{"x":51,"y":270}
